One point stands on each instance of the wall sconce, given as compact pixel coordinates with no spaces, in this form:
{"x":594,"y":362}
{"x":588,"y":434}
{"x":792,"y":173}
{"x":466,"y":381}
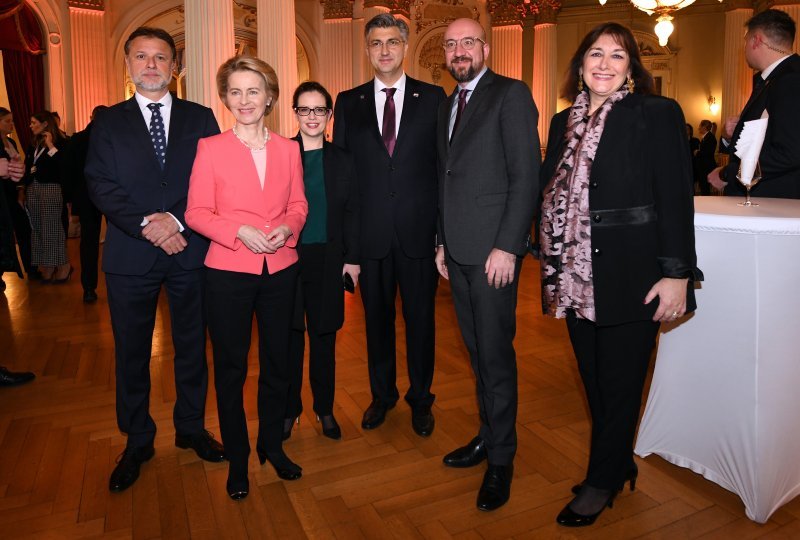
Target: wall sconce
{"x":713,"y":106}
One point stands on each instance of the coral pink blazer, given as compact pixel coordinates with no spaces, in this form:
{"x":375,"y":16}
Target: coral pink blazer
{"x":225,"y":193}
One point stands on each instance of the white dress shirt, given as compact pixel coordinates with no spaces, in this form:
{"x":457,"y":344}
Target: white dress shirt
{"x":380,"y":102}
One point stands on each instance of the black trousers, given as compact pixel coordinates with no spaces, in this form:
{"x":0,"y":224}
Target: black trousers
{"x":487,"y":318}
{"x":22,"y":228}
{"x":613,"y":362}
{"x":91,"y":219}
{"x":417,"y":280}
{"x":133,"y":301}
{"x":232,"y":298}
{"x":322,"y":345}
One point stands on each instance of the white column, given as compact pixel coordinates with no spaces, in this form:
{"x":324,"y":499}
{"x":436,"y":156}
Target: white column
{"x":89,"y":73}
{"x":337,"y":54}
{"x":545,"y":84}
{"x":506,"y":50}
{"x":737,"y":76}
{"x":794,"y":12}
{"x":277,"y":46}
{"x":209,"y":42}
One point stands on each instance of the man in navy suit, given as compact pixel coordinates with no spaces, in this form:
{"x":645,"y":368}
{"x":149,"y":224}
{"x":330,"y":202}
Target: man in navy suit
{"x":140,"y":158}
{"x":776,"y":85}
{"x":389,"y":125}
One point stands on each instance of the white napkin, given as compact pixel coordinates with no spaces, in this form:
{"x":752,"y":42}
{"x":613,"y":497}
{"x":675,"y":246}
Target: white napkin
{"x":748,"y":147}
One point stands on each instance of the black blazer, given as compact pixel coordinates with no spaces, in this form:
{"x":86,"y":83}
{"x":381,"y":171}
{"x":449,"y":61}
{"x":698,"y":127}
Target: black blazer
{"x":9,"y":187}
{"x":489,"y":172}
{"x":75,"y":164}
{"x":704,"y":160}
{"x":398,"y":192}
{"x":126,"y":183}
{"x":8,"y":250}
{"x":641,"y":205}
{"x":780,"y":155}
{"x":341,"y":197}
{"x":49,"y":169}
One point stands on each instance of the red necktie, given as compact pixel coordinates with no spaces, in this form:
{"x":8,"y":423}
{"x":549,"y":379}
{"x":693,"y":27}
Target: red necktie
{"x":388,"y":135}
{"x":462,"y":102}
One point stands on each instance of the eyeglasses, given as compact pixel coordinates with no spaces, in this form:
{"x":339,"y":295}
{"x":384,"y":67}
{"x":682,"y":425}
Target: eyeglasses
{"x":392,"y":44}
{"x":305,"y":111}
{"x":467,"y":43}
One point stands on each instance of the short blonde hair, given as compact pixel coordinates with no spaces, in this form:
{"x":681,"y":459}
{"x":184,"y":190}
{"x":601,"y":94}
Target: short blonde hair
{"x":248,"y":63}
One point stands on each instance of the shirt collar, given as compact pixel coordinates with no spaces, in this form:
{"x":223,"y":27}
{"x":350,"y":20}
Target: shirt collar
{"x":143,"y":102}
{"x":767,"y":72}
{"x":400,"y":85}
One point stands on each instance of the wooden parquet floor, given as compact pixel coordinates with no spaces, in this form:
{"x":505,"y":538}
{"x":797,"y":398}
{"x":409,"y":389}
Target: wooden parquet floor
{"x":60,"y":441}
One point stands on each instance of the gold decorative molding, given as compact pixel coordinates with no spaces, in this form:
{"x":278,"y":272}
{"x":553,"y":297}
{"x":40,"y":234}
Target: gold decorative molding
{"x":395,"y":7}
{"x":97,"y":5}
{"x":429,"y":13}
{"x":547,"y":11}
{"x":730,"y":5}
{"x":510,"y":12}
{"x":337,"y":9}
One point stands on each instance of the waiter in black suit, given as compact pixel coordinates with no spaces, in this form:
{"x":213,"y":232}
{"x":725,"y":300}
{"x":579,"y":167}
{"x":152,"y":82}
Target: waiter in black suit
{"x":389,"y":126}
{"x":704,"y":160}
{"x":776,"y":87}
{"x":488,"y":176}
{"x":140,"y":158}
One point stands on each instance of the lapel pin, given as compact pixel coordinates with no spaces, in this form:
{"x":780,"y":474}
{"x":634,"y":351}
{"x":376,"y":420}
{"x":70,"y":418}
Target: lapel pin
{"x":361,"y":96}
{"x":415,"y":94}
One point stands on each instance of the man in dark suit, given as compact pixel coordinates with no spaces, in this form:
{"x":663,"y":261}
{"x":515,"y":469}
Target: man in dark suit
{"x":489,"y":159}
{"x":140,"y":158}
{"x":776,"y":85}
{"x":704,"y":161}
{"x":389,"y":125}
{"x":82,"y":206}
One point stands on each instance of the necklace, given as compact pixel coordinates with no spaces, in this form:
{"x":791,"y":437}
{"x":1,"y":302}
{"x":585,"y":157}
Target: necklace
{"x":248,"y":145}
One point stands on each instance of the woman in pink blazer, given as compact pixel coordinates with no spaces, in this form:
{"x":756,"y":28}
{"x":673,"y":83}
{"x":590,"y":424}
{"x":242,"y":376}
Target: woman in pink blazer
{"x":246,"y":195}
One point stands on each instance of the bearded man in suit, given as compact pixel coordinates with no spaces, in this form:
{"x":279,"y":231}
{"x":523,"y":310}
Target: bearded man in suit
{"x":489,"y":159}
{"x":141,"y":153}
{"x":389,"y":126}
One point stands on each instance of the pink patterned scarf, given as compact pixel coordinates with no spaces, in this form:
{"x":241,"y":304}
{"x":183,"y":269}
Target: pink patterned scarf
{"x":566,"y":239}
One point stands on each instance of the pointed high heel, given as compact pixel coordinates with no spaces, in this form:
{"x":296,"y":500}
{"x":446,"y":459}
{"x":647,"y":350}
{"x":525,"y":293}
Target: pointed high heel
{"x":569,"y":518}
{"x":57,"y":281}
{"x":288,"y":424}
{"x":284,"y":467}
{"x":330,"y":428}
{"x":633,"y":473}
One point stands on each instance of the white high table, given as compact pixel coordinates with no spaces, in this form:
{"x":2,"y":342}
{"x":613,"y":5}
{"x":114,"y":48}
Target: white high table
{"x":725,"y":395}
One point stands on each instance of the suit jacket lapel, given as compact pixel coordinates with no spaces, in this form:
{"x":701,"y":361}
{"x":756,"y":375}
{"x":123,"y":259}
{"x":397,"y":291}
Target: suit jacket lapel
{"x":474,"y":102}
{"x":410,"y":104}
{"x":367,"y":102}
{"x":140,"y":130}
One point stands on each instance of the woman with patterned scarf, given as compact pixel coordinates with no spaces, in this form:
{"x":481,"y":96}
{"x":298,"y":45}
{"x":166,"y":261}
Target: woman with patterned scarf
{"x":617,"y":243}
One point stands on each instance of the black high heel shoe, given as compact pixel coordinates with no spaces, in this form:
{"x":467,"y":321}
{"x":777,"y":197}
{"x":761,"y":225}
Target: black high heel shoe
{"x":633,"y":473}
{"x":238,"y":485}
{"x":288,"y":424}
{"x":570,"y":518}
{"x":330,"y":428}
{"x":284,"y":467}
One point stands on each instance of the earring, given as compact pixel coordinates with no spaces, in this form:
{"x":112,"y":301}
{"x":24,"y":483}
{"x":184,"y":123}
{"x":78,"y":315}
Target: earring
{"x":631,"y":84}
{"x":580,"y":84}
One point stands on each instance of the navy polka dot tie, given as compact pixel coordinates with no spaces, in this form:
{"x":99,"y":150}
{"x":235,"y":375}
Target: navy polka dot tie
{"x":157,"y":133}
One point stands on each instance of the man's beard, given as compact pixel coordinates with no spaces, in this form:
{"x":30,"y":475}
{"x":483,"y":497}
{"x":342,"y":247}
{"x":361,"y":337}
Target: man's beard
{"x":464,"y":76}
{"x":150,"y":86}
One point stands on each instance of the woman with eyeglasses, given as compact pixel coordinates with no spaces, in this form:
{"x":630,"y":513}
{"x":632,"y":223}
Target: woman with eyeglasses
{"x":328,"y":251}
{"x":617,"y":243}
{"x":246,"y":196}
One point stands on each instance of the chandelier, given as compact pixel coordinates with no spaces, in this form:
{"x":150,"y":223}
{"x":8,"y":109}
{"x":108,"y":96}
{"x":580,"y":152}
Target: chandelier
{"x":664,"y":9}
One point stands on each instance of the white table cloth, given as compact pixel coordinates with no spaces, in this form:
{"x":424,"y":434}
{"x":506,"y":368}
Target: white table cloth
{"x":725,"y":396}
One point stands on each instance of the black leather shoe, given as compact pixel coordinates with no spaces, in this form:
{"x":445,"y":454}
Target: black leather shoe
{"x":496,"y":487}
{"x":10,"y":378}
{"x":127,"y":470}
{"x":330,"y":427}
{"x":89,"y":296}
{"x":284,"y":467}
{"x":467,"y":456}
{"x":569,"y":518}
{"x":203,"y":444}
{"x":238,"y":485}
{"x":375,"y":414}
{"x":423,"y":422}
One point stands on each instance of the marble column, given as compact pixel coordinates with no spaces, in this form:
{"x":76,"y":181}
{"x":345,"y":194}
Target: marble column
{"x":277,"y":45}
{"x":89,"y":63}
{"x":337,"y":46}
{"x":209,"y":42}
{"x":506,"y":50}
{"x":545,"y":76}
{"x":737,"y":77}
